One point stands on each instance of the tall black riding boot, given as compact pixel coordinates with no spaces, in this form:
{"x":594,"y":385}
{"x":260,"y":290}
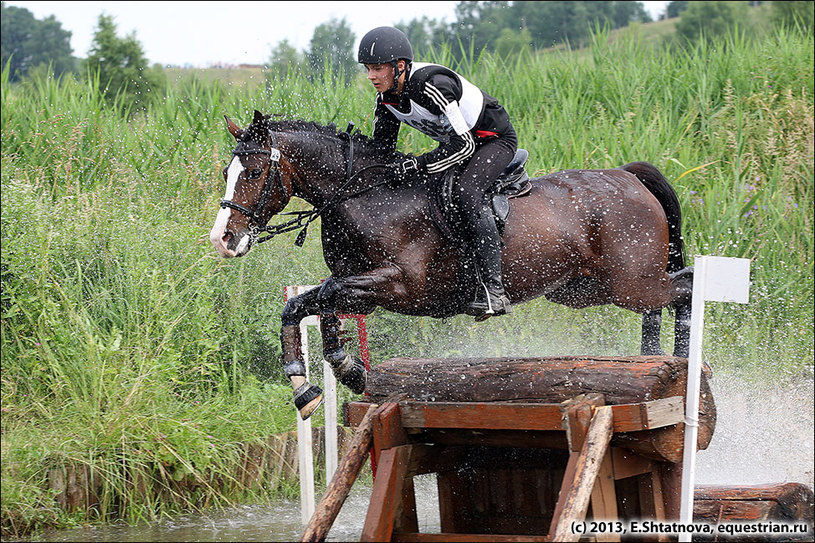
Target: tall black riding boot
{"x":490,"y":298}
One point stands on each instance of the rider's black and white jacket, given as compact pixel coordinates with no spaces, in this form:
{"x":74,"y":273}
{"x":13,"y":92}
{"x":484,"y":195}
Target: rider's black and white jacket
{"x":442,"y":104}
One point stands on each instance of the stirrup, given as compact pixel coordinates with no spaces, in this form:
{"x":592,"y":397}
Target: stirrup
{"x":493,"y":305}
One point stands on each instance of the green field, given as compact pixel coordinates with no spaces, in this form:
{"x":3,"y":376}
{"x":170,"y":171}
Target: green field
{"x":129,"y":348}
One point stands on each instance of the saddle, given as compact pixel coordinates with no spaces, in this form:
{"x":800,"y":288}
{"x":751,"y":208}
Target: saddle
{"x":512,"y":183}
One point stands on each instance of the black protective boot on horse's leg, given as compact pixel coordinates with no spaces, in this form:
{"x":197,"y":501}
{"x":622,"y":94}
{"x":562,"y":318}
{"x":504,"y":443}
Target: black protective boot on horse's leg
{"x":683,"y":279}
{"x":307,"y":397}
{"x":349,"y":370}
{"x":651,"y":328}
{"x":490,"y":298}
{"x":682,"y":331}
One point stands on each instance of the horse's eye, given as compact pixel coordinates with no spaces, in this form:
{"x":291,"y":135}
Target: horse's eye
{"x":254,"y":173}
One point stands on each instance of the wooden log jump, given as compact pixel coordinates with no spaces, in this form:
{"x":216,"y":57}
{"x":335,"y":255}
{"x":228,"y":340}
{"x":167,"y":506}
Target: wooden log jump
{"x":523,"y":447}
{"x":637,"y":381}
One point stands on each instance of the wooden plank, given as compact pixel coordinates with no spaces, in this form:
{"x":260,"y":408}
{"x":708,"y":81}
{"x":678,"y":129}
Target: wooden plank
{"x":494,"y":438}
{"x":774,"y":501}
{"x":340,"y":485}
{"x":627,"y":464}
{"x":453,"y":491}
{"x":386,"y":495}
{"x":408,"y":521}
{"x":671,"y":479}
{"x":482,"y":415}
{"x":576,"y":427}
{"x":475,"y":538}
{"x":534,"y":416}
{"x":387,"y":428}
{"x":604,"y":497}
{"x":649,"y":415}
{"x":652,"y":505}
{"x":596,"y":445}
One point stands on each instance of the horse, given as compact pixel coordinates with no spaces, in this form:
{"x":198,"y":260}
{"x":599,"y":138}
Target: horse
{"x":579,"y":238}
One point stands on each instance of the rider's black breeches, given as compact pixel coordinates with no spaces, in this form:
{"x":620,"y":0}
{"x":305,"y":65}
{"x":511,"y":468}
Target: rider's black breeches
{"x":480,"y":173}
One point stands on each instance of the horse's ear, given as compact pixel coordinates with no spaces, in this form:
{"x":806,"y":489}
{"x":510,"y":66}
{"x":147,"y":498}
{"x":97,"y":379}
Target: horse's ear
{"x":234,"y":129}
{"x":258,"y":118}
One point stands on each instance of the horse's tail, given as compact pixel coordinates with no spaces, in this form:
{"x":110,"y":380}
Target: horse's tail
{"x":657,"y":185}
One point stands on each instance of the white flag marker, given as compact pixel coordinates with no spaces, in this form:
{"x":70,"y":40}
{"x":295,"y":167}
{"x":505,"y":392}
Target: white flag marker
{"x":715,"y":279}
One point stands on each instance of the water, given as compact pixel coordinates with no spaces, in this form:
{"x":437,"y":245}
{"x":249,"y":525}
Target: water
{"x":764,"y":434}
{"x":280,"y":522}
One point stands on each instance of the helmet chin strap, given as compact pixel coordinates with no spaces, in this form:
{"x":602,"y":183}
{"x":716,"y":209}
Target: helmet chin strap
{"x":397,"y":74}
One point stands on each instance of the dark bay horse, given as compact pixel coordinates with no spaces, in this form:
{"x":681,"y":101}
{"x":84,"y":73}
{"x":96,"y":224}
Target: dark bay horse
{"x":580,"y":238}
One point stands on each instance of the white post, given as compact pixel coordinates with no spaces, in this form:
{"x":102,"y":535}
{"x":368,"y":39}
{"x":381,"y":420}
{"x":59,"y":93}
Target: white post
{"x":331,"y":438}
{"x":697,"y":323}
{"x":715,"y":279}
{"x":305,"y":450}
{"x":305,"y":454}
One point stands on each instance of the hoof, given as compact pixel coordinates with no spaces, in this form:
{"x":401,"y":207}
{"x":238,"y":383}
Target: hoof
{"x":351,"y":372}
{"x":311,"y":407}
{"x":355,"y":379}
{"x":307,"y":398}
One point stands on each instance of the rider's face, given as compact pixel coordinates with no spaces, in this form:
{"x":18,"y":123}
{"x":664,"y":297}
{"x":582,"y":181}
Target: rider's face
{"x":381,"y":75}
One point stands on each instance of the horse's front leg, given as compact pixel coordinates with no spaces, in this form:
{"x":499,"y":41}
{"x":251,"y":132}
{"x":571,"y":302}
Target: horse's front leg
{"x":358,"y":294}
{"x":307,"y":397}
{"x":348,"y":369}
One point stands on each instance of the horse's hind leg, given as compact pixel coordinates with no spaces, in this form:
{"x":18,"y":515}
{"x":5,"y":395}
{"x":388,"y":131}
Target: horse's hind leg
{"x":683,"y":282}
{"x":651,"y":327}
{"x":307,"y":397}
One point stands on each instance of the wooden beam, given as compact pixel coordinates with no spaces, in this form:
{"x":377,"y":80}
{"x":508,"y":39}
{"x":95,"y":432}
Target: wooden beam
{"x":649,"y":415}
{"x":408,"y":521}
{"x":482,"y":416}
{"x":604,"y":497}
{"x":523,"y":416}
{"x":386,"y":496}
{"x":588,"y":465}
{"x":387,"y":428}
{"x":652,"y":501}
{"x":627,"y":464}
{"x":337,"y":491}
{"x":751,"y":503}
{"x":576,"y":423}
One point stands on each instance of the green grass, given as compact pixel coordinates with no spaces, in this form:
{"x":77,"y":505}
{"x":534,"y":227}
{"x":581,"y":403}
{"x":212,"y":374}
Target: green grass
{"x":126,"y":342}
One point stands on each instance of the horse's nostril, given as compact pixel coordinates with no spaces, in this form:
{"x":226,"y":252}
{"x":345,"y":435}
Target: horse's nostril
{"x":227,"y":237}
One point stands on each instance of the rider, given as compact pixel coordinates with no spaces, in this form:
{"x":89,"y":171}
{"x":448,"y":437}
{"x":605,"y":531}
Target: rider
{"x":472,"y":129}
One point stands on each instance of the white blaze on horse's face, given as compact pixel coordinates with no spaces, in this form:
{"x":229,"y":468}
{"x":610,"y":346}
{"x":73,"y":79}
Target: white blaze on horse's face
{"x":218,"y":235}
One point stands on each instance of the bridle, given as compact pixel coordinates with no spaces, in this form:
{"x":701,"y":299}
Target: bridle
{"x":256,"y":222}
{"x":302,"y":219}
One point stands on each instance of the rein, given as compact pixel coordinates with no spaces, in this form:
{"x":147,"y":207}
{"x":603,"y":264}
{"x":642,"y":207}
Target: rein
{"x":302,"y":219}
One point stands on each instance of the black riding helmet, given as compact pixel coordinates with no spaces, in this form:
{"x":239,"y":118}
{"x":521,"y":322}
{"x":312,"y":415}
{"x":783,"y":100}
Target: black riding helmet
{"x":385,"y":45}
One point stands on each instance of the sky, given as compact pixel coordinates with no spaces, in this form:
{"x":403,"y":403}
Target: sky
{"x":202,"y":33}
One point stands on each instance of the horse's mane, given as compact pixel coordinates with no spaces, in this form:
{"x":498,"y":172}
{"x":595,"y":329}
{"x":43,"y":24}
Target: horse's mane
{"x":361,"y":141}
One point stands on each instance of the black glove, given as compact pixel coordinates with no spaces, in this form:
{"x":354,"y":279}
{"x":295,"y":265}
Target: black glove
{"x":399,"y":171}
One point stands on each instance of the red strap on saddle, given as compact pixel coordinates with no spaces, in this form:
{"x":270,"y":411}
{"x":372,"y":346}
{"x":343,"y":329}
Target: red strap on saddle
{"x":486,"y":134}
